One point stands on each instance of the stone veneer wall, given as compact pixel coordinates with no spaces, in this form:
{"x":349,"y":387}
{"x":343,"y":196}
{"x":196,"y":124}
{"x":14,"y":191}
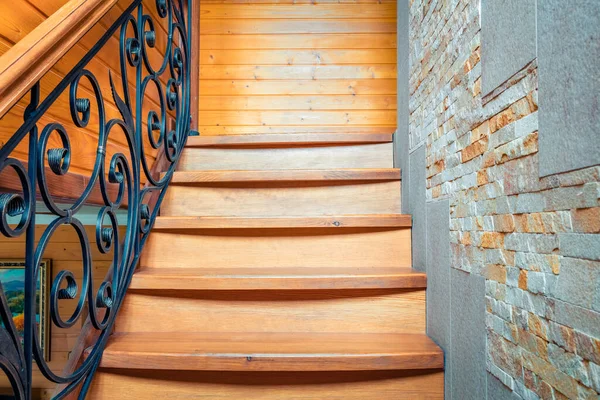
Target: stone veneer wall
{"x":499,"y":144}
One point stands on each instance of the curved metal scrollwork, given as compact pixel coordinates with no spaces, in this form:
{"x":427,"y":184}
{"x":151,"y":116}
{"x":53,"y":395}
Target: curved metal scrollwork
{"x":146,"y":127}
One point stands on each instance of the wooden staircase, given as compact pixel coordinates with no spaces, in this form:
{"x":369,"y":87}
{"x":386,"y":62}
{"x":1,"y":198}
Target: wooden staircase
{"x":279,"y":269}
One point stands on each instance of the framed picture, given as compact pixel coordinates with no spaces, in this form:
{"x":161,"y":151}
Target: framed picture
{"x":12,"y":276}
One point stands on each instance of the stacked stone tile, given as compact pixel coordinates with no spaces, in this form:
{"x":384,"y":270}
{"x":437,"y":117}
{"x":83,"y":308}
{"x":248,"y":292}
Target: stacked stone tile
{"x":535,"y":240}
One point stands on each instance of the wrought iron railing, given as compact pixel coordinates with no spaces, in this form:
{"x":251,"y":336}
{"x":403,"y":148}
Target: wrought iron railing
{"x":120,"y":179}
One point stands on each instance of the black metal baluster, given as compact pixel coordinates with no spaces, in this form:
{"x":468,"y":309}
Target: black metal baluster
{"x":124,"y":171}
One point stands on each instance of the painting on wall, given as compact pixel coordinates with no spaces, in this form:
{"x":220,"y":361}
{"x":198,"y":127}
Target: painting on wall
{"x":12,"y":276}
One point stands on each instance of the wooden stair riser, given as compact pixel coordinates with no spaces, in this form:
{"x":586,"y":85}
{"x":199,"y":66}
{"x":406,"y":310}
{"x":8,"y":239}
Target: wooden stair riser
{"x":282,"y":199}
{"x":183,"y":385}
{"x":379,"y":155}
{"x":361,"y":311}
{"x":256,"y":248}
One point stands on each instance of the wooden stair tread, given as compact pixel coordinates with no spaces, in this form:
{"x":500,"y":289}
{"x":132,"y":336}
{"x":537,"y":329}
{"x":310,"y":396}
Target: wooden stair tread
{"x":274,"y":278}
{"x":334,"y":221}
{"x":292,"y":139}
{"x":249,"y":351}
{"x":228,"y":176}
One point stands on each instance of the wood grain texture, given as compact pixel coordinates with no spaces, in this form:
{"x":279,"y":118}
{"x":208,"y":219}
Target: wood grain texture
{"x":264,"y":156}
{"x":284,"y":11}
{"x":272,"y":351}
{"x":282,"y":72}
{"x":287,"y":140}
{"x":35,"y":53}
{"x":299,"y":102}
{"x":251,"y":248}
{"x":298,"y":57}
{"x":296,"y":1}
{"x":333,"y":175}
{"x":304,"y":41}
{"x":280,"y":311}
{"x":184,"y":223}
{"x":291,"y":65}
{"x":21,"y":21}
{"x":276,"y":198}
{"x":266,"y":278}
{"x":348,"y":385}
{"x":295,"y":118}
{"x":297,"y":26}
{"x":354,"y":87}
{"x":63,"y":188}
{"x":257,"y":130}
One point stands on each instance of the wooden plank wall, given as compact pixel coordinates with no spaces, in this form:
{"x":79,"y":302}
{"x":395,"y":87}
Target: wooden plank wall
{"x":284,"y":66}
{"x":17,"y":19}
{"x":65,"y":252}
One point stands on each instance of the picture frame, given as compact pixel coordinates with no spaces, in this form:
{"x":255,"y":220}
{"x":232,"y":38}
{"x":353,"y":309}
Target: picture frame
{"x":12,"y":276}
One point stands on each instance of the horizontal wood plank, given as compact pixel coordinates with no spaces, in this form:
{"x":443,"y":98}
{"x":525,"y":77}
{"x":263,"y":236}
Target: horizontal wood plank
{"x":307,"y":117}
{"x":284,"y":11}
{"x":304,"y":41}
{"x":272,"y":352}
{"x":301,"y":278}
{"x":298,"y":102}
{"x":288,"y":139}
{"x":298,"y":57}
{"x":337,"y":222}
{"x":297,"y":87}
{"x":204,"y":2}
{"x":260,"y":130}
{"x":296,"y":26}
{"x":334,"y":175}
{"x":315,"y":72}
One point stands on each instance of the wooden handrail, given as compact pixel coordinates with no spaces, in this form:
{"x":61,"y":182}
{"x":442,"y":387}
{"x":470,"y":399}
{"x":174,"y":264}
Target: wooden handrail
{"x":29,"y":59}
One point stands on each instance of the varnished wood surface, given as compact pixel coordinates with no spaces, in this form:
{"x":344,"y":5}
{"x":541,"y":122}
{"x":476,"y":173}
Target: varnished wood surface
{"x":298,"y":26}
{"x":296,"y":11}
{"x":17,"y":25}
{"x":282,"y":72}
{"x":272,"y":351}
{"x":308,"y":311}
{"x":26,"y":62}
{"x":302,"y":278}
{"x":278,"y":157}
{"x":287,"y":140}
{"x":277,"y":198}
{"x":207,"y":130}
{"x":274,"y":68}
{"x":197,"y":177}
{"x":335,"y":222}
{"x":236,"y":385}
{"x":291,"y":247}
{"x":63,"y":188}
{"x":304,"y":41}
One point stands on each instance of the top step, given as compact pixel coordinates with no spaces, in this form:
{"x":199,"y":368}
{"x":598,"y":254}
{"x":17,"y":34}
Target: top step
{"x":288,"y":140}
{"x":288,"y":151}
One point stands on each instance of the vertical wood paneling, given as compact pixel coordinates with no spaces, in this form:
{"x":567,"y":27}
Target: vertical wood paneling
{"x":283,"y":66}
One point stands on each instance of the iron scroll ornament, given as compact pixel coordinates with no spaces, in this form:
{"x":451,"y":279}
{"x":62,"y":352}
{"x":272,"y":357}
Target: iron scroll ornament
{"x":122,"y":173}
